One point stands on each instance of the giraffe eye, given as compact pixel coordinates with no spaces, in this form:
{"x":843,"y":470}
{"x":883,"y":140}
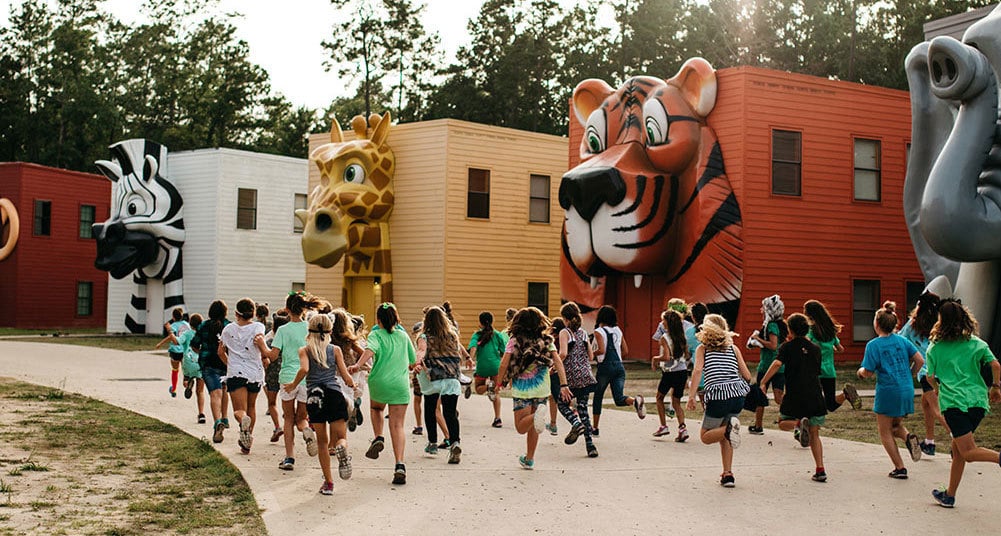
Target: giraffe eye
{"x":355,"y":174}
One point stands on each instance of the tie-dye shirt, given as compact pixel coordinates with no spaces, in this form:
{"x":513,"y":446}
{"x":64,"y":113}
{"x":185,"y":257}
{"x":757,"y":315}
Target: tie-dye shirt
{"x":533,"y":382}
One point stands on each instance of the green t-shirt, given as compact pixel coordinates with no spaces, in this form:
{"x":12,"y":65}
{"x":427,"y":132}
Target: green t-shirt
{"x":956,"y":366}
{"x":290,"y":338}
{"x":488,"y":357}
{"x":389,"y":380}
{"x":826,"y":355}
{"x":767,"y":356}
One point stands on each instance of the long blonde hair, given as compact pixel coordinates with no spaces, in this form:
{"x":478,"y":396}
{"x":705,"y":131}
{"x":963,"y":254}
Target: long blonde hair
{"x":318,"y":339}
{"x":715,"y":333}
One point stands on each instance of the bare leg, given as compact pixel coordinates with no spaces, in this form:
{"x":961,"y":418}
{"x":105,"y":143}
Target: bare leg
{"x":662,"y":409}
{"x":759,"y":415}
{"x":418,"y":414}
{"x":273,"y":407}
{"x":251,"y":409}
{"x":322,"y":443}
{"x":289,"y":416}
{"x":679,"y":410}
{"x":887,"y":431}
{"x":524,"y":423}
{"x":779,"y":394}
{"x":552,"y":410}
{"x":200,"y":395}
{"x":726,"y":453}
{"x":215,"y":402}
{"x":377,"y":419}
{"x":816,"y":447}
{"x":239,"y":399}
{"x":397,"y":414}
{"x":225,"y":403}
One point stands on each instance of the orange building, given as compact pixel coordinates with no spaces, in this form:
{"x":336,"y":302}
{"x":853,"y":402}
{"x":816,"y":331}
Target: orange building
{"x":818,"y":169}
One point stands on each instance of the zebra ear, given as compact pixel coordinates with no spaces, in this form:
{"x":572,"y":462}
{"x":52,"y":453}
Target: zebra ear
{"x":150,"y":167}
{"x":110,"y":170}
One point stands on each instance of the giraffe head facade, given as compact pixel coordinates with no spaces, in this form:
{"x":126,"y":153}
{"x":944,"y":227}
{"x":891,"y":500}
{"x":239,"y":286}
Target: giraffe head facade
{"x":355,"y":190}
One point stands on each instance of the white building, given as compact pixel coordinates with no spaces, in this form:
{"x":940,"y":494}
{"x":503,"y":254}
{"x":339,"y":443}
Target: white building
{"x":242,"y":239}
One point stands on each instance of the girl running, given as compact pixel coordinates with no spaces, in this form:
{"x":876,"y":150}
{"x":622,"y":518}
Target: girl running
{"x":803,"y":407}
{"x":388,"y":383}
{"x":557,"y":326}
{"x":486,"y":348}
{"x":726,"y":377}
{"x":271,"y":384}
{"x":343,"y":336}
{"x":415,"y":384}
{"x":175,"y":328}
{"x":955,"y":360}
{"x":189,"y":365}
{"x":773,"y":332}
{"x":611,"y":348}
{"x":439,"y":352}
{"x":321,"y":364}
{"x":824,"y":333}
{"x":673,"y":360}
{"x":893,"y":360}
{"x":529,"y":354}
{"x":576,"y":356}
{"x":206,"y":343}
{"x":242,"y":350}
{"x":918,"y":330}
{"x":289,"y":338}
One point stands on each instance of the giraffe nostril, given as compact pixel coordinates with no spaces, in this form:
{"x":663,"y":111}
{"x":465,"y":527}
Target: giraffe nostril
{"x":323,"y":222}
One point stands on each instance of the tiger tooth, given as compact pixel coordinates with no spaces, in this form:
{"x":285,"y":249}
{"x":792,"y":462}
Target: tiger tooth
{"x":638,"y":280}
{"x":594,"y":282}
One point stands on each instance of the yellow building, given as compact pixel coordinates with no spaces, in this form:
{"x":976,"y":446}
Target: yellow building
{"x":476,"y":221}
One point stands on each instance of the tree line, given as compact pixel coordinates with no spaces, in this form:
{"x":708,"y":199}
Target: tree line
{"x":74,"y":79}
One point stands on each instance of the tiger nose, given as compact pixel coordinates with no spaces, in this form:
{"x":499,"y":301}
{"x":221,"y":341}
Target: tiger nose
{"x":587,"y":189}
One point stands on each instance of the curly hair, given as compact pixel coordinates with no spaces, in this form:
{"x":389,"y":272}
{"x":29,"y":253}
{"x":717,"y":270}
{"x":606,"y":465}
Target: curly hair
{"x":715,"y":333}
{"x":925,"y":314}
{"x":955,"y":323}
{"x":529,"y":329}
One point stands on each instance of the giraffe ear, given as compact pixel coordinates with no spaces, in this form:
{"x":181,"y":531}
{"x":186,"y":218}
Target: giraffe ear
{"x":335,"y":131}
{"x":381,"y":131}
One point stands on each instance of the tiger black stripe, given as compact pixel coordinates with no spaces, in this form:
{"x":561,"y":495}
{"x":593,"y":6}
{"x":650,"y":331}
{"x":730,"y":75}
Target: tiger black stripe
{"x":668,"y":220}
{"x":566,"y":255}
{"x":658,"y":189}
{"x":726,"y":215}
{"x":640,"y":188}
{"x":714,"y":169}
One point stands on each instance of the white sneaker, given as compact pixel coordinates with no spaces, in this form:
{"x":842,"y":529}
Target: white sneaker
{"x":491,"y":390}
{"x":309,"y":436}
{"x":541,"y":419}
{"x":638,"y":403}
{"x":733,"y":432}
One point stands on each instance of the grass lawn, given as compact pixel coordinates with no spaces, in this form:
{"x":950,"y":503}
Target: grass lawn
{"x":74,"y":465}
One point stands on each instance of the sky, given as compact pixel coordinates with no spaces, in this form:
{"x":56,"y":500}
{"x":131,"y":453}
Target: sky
{"x":285,"y":35}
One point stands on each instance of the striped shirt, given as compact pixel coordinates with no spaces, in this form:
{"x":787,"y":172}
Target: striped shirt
{"x":722,"y":378}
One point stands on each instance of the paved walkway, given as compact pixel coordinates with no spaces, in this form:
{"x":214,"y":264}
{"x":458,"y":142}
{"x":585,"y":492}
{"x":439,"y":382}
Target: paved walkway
{"x":639,"y":485}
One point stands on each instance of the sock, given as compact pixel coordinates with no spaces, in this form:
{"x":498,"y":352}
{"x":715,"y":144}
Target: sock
{"x":821,"y":470}
{"x":930,"y":441}
{"x":380,"y":438}
{"x":173,"y":379}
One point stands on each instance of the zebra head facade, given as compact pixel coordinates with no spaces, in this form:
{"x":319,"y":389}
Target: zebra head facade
{"x":145,"y":233}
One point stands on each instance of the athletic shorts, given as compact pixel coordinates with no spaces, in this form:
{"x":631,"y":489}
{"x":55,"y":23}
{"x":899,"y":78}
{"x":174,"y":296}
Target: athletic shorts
{"x":720,"y":411}
{"x":925,"y":385}
{"x":298,"y":394}
{"x":963,"y":422}
{"x":271,"y":376}
{"x":522,"y":403}
{"x":819,"y":420}
{"x":778,"y":381}
{"x":324,"y":404}
{"x":673,"y":381}
{"x":213,"y":378}
{"x":175,"y":356}
{"x":236,"y":382}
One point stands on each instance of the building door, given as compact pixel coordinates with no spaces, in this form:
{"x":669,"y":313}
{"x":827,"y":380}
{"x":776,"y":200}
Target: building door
{"x":362,"y":298}
{"x":639,"y":311}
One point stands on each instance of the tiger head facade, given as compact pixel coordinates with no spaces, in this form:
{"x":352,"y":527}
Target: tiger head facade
{"x":650,"y":196}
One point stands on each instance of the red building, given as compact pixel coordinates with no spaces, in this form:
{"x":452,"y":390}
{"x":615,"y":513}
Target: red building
{"x":818,"y":169}
{"x":49,"y":280}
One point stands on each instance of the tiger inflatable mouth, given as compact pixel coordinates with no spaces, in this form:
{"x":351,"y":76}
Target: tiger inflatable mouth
{"x":650,"y":196}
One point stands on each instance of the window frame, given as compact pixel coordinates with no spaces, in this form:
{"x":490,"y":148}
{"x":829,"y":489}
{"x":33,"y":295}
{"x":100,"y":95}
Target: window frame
{"x":544,"y":307}
{"x":548,"y":199}
{"x":866,"y":313}
{"x":797,"y":163}
{"x":45,"y":220}
{"x":245,"y":210}
{"x":89,"y":297}
{"x":88,"y":228}
{"x":878,"y":170}
{"x":470,"y":193}
{"x":297,"y":226}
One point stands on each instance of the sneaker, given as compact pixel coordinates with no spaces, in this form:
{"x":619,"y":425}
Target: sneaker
{"x":431,"y":449}
{"x":491,"y":390}
{"x":277,"y":434}
{"x":454,"y":454}
{"x":327,"y":488}
{"x":943,"y":498}
{"x":418,"y":430}
{"x":804,"y":432}
{"x":592,"y":451}
{"x":444,"y":444}
{"x":309,"y":437}
{"x":912,"y":446}
{"x":928,"y":449}
{"x":225,"y":422}
{"x":343,"y":462}
{"x":899,"y":474}
{"x":662,"y":431}
{"x":359,"y":414}
{"x":727,"y":481}
{"x":526,"y":463}
{"x":173,"y":391}
{"x":201,"y":418}
{"x":733,"y":432}
{"x":755,"y":430}
{"x":353,"y":421}
{"x":245,"y":440}
{"x":217,"y":434}
{"x":795,"y":433}
{"x":287,"y":464}
{"x":594,"y":432}
{"x":575,"y":432}
{"x":670,"y":413}
{"x":540,"y":419}
{"x":553,"y":429}
{"x":187,"y":389}
{"x":375,"y":448}
{"x":682,"y":435}
{"x":819,"y":476}
{"x":851,"y":395}
{"x":497,"y":423}
{"x":640,"y":406}
{"x":467,"y":391}
{"x":400,"y":474}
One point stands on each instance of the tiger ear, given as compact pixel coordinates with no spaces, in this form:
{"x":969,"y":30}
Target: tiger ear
{"x":588,"y":96}
{"x":697,"y":82}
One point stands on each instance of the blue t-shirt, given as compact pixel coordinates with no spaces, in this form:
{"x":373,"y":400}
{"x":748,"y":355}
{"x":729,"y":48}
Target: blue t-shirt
{"x":921,"y":342}
{"x":890,"y":358}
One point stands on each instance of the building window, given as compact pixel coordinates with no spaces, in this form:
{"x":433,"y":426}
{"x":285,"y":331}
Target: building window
{"x":912,"y":291}
{"x":538,"y":296}
{"x":538,"y":199}
{"x":478,"y":196}
{"x":787,"y":162}
{"x":296,"y":287}
{"x":300,"y":204}
{"x":87,"y":213}
{"x":865,"y":303}
{"x":246,"y":209}
{"x":43,"y":218}
{"x":867,"y":164}
{"x":84,"y":298}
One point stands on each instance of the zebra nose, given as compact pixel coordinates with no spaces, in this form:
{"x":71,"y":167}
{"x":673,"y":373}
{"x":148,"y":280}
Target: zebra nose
{"x":587,"y":189}
{"x":114,"y":232}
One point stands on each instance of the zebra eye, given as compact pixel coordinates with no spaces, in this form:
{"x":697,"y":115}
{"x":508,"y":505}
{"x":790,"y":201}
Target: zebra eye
{"x":135,"y":205}
{"x":594,"y":132}
{"x":656,"y":123}
{"x":354,"y":174}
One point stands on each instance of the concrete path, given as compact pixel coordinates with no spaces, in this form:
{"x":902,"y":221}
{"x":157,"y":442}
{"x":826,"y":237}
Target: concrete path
{"x":639,"y":485}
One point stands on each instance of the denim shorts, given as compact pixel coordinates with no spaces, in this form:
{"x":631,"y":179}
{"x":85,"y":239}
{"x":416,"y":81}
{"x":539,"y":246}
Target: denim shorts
{"x":720,"y":411}
{"x":213,"y":378}
{"x":522,"y":403}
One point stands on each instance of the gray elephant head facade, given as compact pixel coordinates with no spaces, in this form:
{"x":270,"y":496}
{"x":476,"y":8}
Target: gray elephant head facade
{"x":952,"y":194}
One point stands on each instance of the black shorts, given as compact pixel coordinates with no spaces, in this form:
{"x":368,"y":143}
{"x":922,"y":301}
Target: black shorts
{"x":271,"y":376}
{"x":925,"y":386}
{"x":963,"y":422}
{"x":324,"y":404}
{"x":778,"y":381}
{"x":175,"y":356}
{"x":234,"y":383}
{"x":673,"y":381}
